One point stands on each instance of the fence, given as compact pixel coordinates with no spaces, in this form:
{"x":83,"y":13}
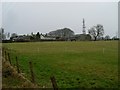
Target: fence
{"x":7,"y":57}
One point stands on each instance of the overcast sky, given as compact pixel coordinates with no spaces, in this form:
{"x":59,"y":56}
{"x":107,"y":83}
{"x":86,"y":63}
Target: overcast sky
{"x":43,"y":17}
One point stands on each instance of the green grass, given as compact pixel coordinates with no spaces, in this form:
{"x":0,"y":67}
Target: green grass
{"x":74,"y":64}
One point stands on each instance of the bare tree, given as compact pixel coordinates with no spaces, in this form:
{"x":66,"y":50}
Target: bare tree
{"x":96,"y":31}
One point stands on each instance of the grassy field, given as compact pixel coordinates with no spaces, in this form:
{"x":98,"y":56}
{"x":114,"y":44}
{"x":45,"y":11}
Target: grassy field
{"x":74,"y":64}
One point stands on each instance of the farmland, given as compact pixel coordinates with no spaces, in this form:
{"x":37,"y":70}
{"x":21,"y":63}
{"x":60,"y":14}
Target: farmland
{"x":74,"y":64}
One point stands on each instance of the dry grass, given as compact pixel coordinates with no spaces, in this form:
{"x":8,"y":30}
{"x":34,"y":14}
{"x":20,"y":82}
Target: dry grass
{"x":13,"y":79}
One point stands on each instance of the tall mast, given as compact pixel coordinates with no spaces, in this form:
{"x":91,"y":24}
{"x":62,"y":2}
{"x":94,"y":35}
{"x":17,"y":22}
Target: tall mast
{"x":84,"y":32}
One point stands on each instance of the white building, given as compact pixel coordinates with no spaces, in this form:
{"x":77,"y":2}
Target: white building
{"x":43,"y":37}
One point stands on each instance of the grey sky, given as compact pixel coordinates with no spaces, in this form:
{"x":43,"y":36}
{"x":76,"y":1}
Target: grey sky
{"x":0,"y":14}
{"x":27,"y":17}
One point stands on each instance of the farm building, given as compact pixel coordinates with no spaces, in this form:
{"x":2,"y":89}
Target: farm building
{"x":21,"y":38}
{"x":82,"y":37}
{"x":45,"y":37}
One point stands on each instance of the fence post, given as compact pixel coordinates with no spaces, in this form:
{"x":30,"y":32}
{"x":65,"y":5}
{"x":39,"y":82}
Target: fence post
{"x":54,"y":84}
{"x":32,"y":74}
{"x":17,"y":65}
{"x":5,"y":56}
{"x":3,"y":52}
{"x":9,"y":58}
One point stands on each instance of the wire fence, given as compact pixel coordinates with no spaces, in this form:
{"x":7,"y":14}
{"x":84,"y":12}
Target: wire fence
{"x":7,"y":56}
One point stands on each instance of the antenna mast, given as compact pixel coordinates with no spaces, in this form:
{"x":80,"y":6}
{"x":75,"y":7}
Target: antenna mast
{"x":84,"y":32}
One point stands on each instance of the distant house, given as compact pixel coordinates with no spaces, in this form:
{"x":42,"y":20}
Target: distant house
{"x":45,"y":37}
{"x":82,"y":37}
{"x":21,"y":38}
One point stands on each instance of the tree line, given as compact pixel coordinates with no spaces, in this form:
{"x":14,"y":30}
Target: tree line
{"x":96,"y":32}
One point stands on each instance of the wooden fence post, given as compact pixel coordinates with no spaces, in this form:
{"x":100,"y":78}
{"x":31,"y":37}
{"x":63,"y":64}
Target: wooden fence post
{"x":32,"y":74}
{"x":17,"y":65}
{"x":54,"y":83}
{"x":9,"y":58}
{"x":5,"y":56}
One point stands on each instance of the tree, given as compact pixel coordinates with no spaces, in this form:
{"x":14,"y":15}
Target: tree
{"x":38,"y":36}
{"x":96,"y":31}
{"x":8,"y":35}
{"x":2,"y":35}
{"x":32,"y":34}
{"x":13,"y":35}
